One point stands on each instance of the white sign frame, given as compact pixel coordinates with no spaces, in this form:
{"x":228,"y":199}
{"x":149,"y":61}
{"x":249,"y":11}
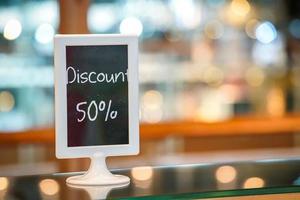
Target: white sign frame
{"x":60,"y":73}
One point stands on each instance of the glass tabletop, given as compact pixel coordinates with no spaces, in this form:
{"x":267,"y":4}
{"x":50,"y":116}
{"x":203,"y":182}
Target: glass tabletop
{"x":167,"y":182}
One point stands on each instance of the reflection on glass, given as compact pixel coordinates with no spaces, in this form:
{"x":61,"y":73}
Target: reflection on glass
{"x":49,"y":187}
{"x":142,"y":173}
{"x":254,"y":182}
{"x":226,"y":174}
{"x":3,"y":183}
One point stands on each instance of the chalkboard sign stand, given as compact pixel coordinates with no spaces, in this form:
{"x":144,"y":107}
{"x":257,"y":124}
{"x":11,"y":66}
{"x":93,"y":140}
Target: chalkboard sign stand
{"x":96,"y":113}
{"x":98,"y":174}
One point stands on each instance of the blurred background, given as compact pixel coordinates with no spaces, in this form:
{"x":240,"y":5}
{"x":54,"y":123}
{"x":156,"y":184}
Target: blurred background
{"x":219,"y":79}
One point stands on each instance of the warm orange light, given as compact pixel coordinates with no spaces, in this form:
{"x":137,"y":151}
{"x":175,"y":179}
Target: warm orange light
{"x":49,"y":187}
{"x":3,"y":183}
{"x":240,"y":7}
{"x":142,"y":173}
{"x":254,"y":182}
{"x":226,"y":174}
{"x":276,"y":102}
{"x":236,"y":12}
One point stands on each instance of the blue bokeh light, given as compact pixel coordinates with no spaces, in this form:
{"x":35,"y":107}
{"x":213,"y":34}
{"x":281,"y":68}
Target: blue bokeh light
{"x":266,"y":32}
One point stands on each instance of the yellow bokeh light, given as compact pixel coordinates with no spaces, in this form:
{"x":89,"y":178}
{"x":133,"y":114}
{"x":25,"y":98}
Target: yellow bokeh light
{"x":255,"y":76}
{"x":7,"y":101}
{"x":236,"y":13}
{"x":240,"y":7}
{"x":226,"y":174}
{"x":49,"y":187}
{"x":254,"y":182}
{"x":3,"y":183}
{"x":142,"y":173}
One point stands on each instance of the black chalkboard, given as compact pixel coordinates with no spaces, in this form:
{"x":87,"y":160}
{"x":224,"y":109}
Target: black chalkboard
{"x":97,"y":95}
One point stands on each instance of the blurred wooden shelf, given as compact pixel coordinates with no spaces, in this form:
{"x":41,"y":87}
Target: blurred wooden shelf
{"x":247,"y":125}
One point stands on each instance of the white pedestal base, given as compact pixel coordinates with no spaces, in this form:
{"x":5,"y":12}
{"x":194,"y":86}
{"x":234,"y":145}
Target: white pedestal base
{"x":98,"y":174}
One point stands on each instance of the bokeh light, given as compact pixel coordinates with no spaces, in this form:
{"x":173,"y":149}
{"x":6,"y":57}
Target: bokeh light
{"x":44,"y":33}
{"x":187,"y":12}
{"x":49,"y":187}
{"x":142,"y":173}
{"x":7,"y":101}
{"x":265,"y":32}
{"x":240,"y":7}
{"x":101,"y":18}
{"x":152,"y":99}
{"x":12,"y":29}
{"x":254,"y":182}
{"x":3,"y":183}
{"x":131,"y":26}
{"x":152,"y":102}
{"x":276,"y":102}
{"x":226,"y":174}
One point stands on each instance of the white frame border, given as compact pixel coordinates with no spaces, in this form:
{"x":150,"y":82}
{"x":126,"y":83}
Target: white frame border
{"x":60,"y":76}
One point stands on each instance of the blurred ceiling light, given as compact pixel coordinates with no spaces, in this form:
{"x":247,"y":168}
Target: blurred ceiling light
{"x":276,"y":102}
{"x":101,"y":18}
{"x":49,"y":187}
{"x":254,"y":182}
{"x":12,"y":29}
{"x":240,"y":7}
{"x":214,"y":29}
{"x":255,"y":76}
{"x":213,"y":76}
{"x":294,"y":28}
{"x":3,"y":183}
{"x":131,"y":26}
{"x":251,"y":27}
{"x":44,"y":33}
{"x":142,"y":173}
{"x":7,"y":101}
{"x":226,"y":174}
{"x":265,"y":32}
{"x":188,"y":14}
